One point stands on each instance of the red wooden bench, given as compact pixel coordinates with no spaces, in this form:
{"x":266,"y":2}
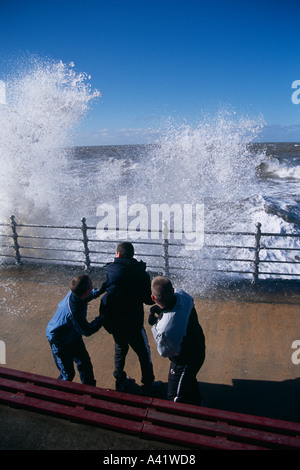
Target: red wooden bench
{"x":149,"y":418}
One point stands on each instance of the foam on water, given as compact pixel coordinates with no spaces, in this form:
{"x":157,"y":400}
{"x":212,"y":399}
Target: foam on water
{"x":43,"y":105}
{"x":276,"y":169}
{"x":215,"y":163}
{"x":212,"y":163}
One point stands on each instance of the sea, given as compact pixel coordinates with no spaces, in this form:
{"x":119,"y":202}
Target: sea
{"x":215,"y":173}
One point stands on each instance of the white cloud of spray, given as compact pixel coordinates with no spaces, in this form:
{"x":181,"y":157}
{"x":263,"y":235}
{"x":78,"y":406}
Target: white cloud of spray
{"x":44,"y":102}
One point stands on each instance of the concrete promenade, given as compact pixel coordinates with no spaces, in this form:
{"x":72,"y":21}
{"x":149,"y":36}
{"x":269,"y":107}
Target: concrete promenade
{"x":248,"y":368}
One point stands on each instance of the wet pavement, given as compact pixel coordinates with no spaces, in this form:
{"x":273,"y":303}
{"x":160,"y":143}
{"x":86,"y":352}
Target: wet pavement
{"x":249,"y":366}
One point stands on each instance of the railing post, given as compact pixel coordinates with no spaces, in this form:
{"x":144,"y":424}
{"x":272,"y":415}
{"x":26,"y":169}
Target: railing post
{"x":165,"y":233}
{"x":256,"y":254}
{"x":15,"y":239}
{"x":85,"y":244}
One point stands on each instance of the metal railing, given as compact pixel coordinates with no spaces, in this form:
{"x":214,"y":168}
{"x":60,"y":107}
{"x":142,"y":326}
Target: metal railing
{"x":254,"y":254}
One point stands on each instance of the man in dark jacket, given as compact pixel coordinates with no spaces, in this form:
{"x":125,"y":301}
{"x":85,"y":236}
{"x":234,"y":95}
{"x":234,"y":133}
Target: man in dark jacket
{"x":127,"y":288}
{"x":66,"y":328}
{"x":178,"y":336}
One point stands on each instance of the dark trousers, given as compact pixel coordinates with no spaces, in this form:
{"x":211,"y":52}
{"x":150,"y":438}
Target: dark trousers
{"x":182,"y":383}
{"x":75,"y":352}
{"x":138,"y":341}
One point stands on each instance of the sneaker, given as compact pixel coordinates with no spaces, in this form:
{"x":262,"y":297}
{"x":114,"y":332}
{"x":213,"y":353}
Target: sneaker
{"x":123,"y":383}
{"x":145,"y":390}
{"x":153,"y":390}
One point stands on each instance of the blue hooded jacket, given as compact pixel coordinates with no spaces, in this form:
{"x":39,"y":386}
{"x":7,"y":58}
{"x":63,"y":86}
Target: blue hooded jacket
{"x":69,"y":321}
{"x":127,"y":288}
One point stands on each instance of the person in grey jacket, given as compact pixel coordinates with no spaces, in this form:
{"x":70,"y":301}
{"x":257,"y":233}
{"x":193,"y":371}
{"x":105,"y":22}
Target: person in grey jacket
{"x":178,"y":336}
{"x":66,"y":328}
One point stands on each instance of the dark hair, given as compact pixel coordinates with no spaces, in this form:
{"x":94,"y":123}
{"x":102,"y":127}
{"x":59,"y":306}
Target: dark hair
{"x":126,"y":250}
{"x":80,"y":284}
{"x":162,"y":289}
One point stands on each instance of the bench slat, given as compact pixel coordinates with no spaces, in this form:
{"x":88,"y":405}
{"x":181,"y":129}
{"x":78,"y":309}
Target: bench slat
{"x":73,"y":399}
{"x":194,"y":440}
{"x":230,"y":417}
{"x":173,"y":421}
{"x":185,"y":425}
{"x":112,"y":395}
{"x":75,"y":414}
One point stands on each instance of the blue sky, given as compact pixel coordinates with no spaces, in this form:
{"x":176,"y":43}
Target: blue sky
{"x":159,"y":59}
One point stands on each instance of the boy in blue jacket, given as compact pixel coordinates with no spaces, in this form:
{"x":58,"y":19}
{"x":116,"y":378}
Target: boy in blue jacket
{"x":66,"y":328}
{"x":178,"y":336}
